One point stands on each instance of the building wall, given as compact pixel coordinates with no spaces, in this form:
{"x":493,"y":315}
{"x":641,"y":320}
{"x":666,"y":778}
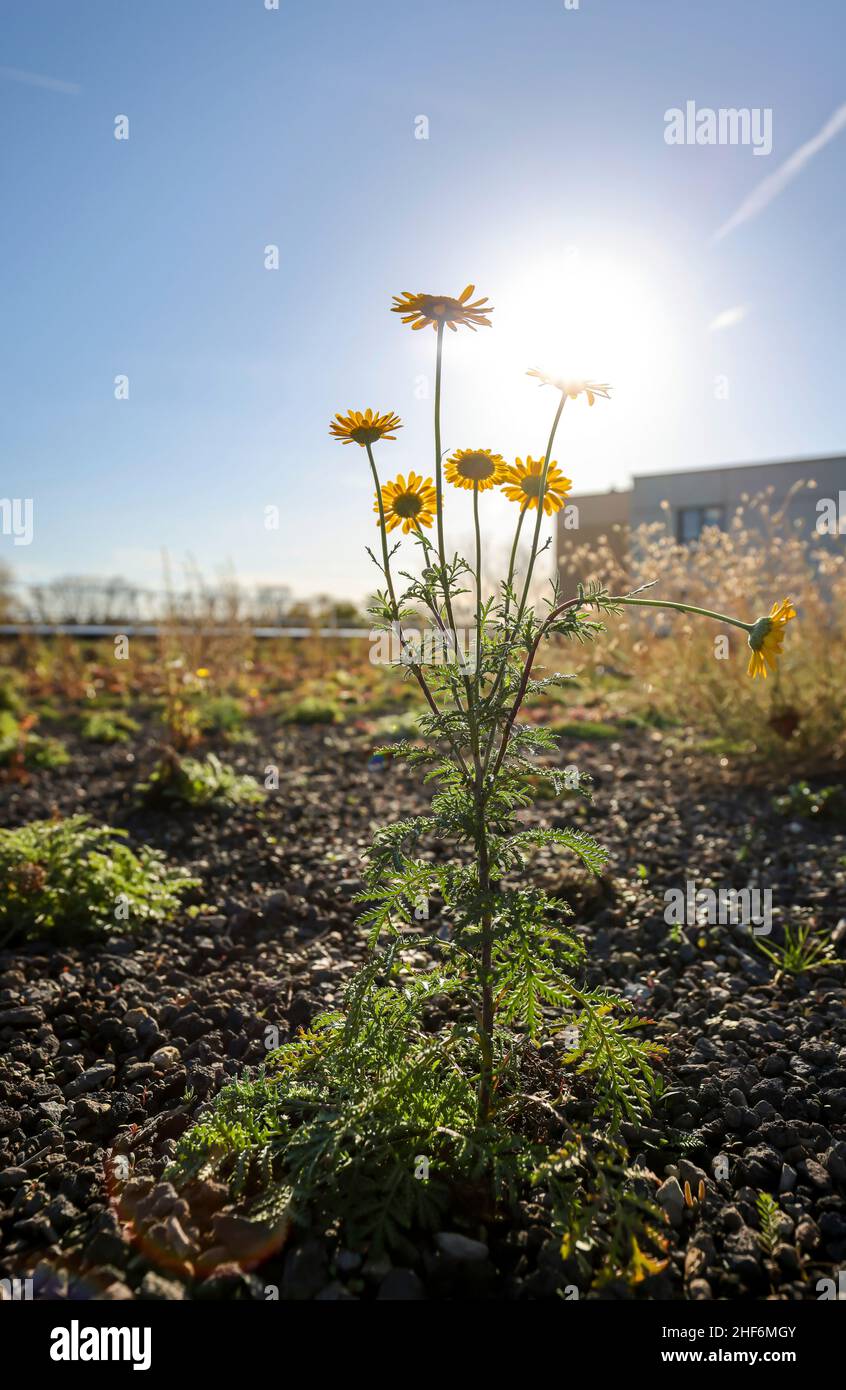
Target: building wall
{"x":601,"y":515}
{"x":796,"y":484}
{"x":727,"y":487}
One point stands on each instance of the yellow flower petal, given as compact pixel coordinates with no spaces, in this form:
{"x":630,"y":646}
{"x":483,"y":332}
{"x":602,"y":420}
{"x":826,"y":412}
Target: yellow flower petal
{"x":364,"y":428}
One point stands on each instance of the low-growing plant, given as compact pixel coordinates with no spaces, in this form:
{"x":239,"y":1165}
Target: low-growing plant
{"x":21,"y":748}
{"x":179,"y":713}
{"x":221,"y":714}
{"x":805,"y":947}
{"x":396,"y":726}
{"x":769,"y":1219}
{"x":590,"y":729}
{"x":371,"y":1118}
{"x":444,"y":1063}
{"x":10,"y":699}
{"x":312,"y":709}
{"x":71,"y":878}
{"x":800,"y":799}
{"x":100,"y":726}
{"x":202,"y":782}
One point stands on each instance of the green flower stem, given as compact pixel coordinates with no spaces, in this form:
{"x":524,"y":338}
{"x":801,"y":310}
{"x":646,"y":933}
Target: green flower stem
{"x":524,"y":683}
{"x":500,"y":676}
{"x":486,"y":1020}
{"x":498,"y":681}
{"x":512,"y":562}
{"x":541,"y":493}
{"x":474,"y":737}
{"x":578,"y":603}
{"x":487,"y":1016}
{"x":684,"y":608}
{"x":439,"y":486}
{"x":383,"y":532}
{"x":427,"y":547}
{"x":478,"y":588}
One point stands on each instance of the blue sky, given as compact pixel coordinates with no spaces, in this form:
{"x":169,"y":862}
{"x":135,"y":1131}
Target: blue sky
{"x":545,"y":179}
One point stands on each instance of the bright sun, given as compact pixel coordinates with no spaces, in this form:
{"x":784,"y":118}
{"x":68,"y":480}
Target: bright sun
{"x":577,"y":317}
{"x":601,"y":316}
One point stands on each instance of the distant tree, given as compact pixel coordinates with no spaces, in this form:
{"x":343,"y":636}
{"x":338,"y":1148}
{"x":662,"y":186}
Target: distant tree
{"x":6,"y":594}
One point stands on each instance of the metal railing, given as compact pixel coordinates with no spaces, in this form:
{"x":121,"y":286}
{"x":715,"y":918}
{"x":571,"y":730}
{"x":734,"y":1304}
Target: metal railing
{"x":154,"y":630}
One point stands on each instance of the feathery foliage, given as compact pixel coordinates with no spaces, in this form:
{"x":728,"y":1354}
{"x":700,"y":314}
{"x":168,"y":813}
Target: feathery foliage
{"x":72,"y":878}
{"x":202,"y":782}
{"x":442,"y":1065}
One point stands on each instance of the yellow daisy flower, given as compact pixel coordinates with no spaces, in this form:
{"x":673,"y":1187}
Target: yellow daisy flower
{"x":591,"y":389}
{"x":408,"y":504}
{"x":420,"y":310}
{"x":523,"y":485}
{"x":475,"y":468}
{"x":766,"y":639}
{"x":364,"y":427}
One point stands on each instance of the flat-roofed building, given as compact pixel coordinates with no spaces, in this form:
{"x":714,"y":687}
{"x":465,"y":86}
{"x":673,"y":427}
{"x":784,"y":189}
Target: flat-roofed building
{"x":804,"y":490}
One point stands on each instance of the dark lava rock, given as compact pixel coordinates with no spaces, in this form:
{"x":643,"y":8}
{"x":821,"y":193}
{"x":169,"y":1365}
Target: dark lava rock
{"x":305,"y":1270}
{"x":401,"y":1284}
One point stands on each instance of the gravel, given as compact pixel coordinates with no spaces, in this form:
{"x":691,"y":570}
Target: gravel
{"x":109,"y":1049}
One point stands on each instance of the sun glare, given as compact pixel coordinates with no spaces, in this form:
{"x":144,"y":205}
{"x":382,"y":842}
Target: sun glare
{"x":612,"y":316}
{"x":593,"y":318}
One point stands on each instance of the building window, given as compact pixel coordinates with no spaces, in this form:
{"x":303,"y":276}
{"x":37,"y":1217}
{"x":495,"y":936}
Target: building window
{"x":693,"y":520}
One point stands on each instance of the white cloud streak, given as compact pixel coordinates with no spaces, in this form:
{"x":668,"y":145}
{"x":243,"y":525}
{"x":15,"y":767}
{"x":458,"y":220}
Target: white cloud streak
{"x":727,"y":318}
{"x":35,"y":79}
{"x":776,"y":183}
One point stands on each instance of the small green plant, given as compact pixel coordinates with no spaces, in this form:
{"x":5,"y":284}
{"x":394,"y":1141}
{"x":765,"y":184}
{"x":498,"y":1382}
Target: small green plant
{"x":592,"y":730}
{"x":221,"y":714}
{"x":827,"y":803}
{"x":72,"y":878}
{"x":22,"y":749}
{"x":101,"y":727}
{"x":199,"y":782}
{"x":9,"y":698}
{"x":312,"y":709}
{"x":335,"y":1122}
{"x":598,"y":1209}
{"x":179,"y":711}
{"x":397,"y":726}
{"x":805,"y":947}
{"x":769,"y":1218}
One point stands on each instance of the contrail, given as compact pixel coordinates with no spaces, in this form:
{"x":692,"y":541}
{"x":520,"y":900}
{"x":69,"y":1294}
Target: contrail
{"x":770,"y":188}
{"x":34,"y":79}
